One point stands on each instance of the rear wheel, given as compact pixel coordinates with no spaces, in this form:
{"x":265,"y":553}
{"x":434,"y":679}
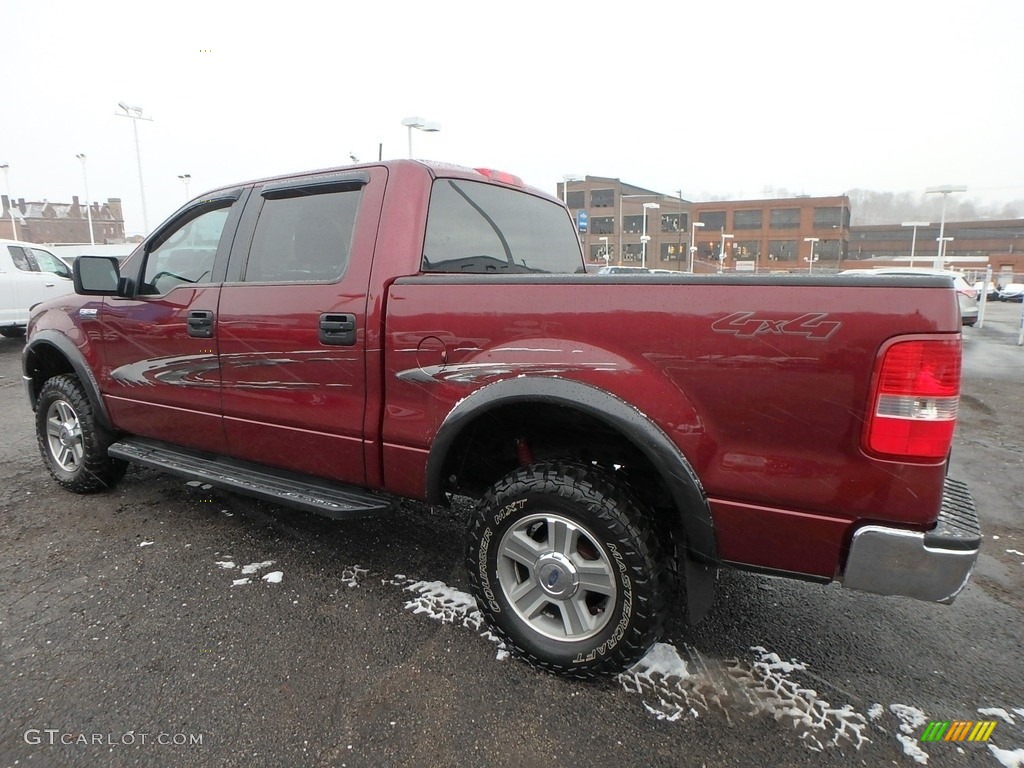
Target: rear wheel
{"x":12,"y":332}
{"x":565,"y":567}
{"x":73,"y":445}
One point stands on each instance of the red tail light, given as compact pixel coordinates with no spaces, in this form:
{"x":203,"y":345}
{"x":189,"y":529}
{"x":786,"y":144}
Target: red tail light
{"x":914,"y":399}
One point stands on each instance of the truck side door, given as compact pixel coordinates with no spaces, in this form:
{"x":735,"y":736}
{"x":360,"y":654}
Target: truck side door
{"x":32,"y":283}
{"x":159,"y":371}
{"x":292,"y":324}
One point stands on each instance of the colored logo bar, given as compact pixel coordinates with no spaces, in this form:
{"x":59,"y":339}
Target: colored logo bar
{"x":958,"y":730}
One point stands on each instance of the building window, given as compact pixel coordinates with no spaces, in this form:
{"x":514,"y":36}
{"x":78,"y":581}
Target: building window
{"x":746,"y":220}
{"x":633,"y":225}
{"x":603,"y":225}
{"x":827,"y":250}
{"x":673,"y":222}
{"x":828,"y":217}
{"x":632,"y":252}
{"x":785,"y":218}
{"x":712,"y":220}
{"x":746,"y":249}
{"x":602,"y":198}
{"x":597,"y":252}
{"x":576,"y":200}
{"x":673,"y":252}
{"x":782,"y":250}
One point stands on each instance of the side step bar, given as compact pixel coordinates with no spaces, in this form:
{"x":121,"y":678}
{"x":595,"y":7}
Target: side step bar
{"x":312,"y":494}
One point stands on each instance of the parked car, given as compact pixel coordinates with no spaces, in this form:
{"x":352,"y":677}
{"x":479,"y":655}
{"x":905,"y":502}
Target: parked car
{"x":993,"y":289}
{"x":965,"y":293}
{"x":1012,"y":292}
{"x":614,"y":270}
{"x":28,"y":275}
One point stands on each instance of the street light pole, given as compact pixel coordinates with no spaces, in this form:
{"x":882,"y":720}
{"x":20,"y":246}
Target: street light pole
{"x":607,"y":256}
{"x":945,"y":190}
{"x":942,"y":250}
{"x":186,"y":178}
{"x":721,"y":250}
{"x":135,"y":114}
{"x":420,"y":124}
{"x":88,"y":206}
{"x":810,"y":259}
{"x":7,"y":183}
{"x":693,"y":241}
{"x":565,"y":186}
{"x":913,"y":238}
{"x":644,"y":238}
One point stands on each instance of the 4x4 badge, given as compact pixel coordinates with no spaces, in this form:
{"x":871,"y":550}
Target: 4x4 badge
{"x":746,"y":325}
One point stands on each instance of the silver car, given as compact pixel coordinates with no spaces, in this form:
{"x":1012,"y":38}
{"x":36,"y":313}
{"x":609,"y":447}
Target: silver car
{"x":966,"y":295}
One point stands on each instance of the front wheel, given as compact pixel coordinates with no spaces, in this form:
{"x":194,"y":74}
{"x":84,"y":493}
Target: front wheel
{"x":73,"y":445}
{"x":12,"y":332}
{"x":565,"y":566}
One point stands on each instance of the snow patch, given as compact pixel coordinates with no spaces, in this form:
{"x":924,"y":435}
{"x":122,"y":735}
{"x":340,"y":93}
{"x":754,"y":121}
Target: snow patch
{"x":875,"y":711}
{"x":145,"y":543}
{"x":997,"y":712}
{"x":274,"y":577}
{"x":911,"y":719}
{"x":193,"y":483}
{"x":353,"y":575}
{"x":1015,"y":552}
{"x":449,"y":606}
{"x":227,"y":565}
{"x":240,"y":582}
{"x":1010,"y":758}
{"x":254,"y":567}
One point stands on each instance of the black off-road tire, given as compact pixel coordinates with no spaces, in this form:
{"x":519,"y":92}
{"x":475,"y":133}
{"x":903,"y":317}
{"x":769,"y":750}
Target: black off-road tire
{"x":73,"y":445}
{"x":12,"y":332}
{"x":573,"y":523}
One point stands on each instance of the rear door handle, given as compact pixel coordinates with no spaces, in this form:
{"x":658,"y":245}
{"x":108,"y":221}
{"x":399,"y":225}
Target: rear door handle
{"x":200,"y":323}
{"x":338,"y":329}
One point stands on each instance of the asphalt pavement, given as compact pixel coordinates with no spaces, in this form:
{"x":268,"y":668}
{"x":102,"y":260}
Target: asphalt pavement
{"x":133,"y":634}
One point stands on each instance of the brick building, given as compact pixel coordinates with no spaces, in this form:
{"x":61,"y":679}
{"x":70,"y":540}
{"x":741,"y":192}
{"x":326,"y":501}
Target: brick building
{"x":975,"y":245}
{"x":46,"y":222}
{"x":758,"y":235}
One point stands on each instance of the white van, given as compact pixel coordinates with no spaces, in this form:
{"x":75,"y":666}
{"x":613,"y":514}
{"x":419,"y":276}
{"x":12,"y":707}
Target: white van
{"x":28,"y":275}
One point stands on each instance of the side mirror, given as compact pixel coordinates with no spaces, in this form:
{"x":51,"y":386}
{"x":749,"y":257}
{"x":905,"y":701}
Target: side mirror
{"x":97,"y":276}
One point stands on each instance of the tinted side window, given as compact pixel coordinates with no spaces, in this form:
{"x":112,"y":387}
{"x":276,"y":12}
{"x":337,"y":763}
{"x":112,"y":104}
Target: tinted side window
{"x":47,"y":262}
{"x":185,"y":255}
{"x":22,"y":258}
{"x":304,"y":237}
{"x":479,"y":228}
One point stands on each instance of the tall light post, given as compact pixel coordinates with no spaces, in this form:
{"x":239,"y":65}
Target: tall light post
{"x":693,"y":241}
{"x":945,"y":190}
{"x":721,"y":250}
{"x":420,"y":124}
{"x":913,"y":238}
{"x":565,"y":186}
{"x":643,"y":237}
{"x":186,"y":178}
{"x":7,"y":183}
{"x":135,"y":114}
{"x":88,"y":206}
{"x":607,"y":255}
{"x":942,"y":250}
{"x":810,"y":259}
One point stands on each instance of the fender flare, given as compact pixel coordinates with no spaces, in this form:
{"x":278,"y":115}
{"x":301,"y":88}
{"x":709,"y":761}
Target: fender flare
{"x":700,"y":561}
{"x":67,"y":349}
{"x":676,"y":471}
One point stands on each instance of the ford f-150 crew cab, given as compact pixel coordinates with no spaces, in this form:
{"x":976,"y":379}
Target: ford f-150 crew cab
{"x":339,"y":339}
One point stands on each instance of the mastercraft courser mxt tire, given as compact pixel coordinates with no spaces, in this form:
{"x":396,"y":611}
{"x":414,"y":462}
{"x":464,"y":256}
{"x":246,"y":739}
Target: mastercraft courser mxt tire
{"x":73,"y":445}
{"x":566,"y":568}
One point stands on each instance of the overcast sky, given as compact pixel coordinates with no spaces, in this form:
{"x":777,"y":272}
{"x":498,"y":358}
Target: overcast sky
{"x":717,"y":98}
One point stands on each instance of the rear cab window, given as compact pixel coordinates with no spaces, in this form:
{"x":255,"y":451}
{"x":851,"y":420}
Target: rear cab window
{"x":480,"y":228}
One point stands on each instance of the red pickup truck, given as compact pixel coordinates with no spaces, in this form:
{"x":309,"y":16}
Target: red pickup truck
{"x":338,"y":339}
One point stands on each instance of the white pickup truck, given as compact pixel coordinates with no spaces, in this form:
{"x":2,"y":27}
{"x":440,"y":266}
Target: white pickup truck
{"x":28,"y":275}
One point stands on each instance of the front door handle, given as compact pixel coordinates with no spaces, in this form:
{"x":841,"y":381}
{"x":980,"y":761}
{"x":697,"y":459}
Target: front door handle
{"x":338,"y":329}
{"x":200,"y":324}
